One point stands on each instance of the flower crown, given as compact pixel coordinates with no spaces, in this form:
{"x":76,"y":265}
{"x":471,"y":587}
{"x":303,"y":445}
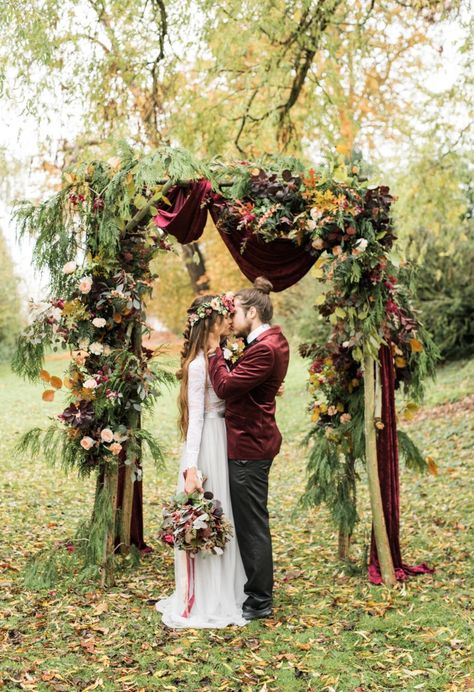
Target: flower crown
{"x":223,"y":305}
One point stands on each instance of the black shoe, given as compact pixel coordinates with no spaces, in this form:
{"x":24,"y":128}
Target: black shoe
{"x":254,"y":613}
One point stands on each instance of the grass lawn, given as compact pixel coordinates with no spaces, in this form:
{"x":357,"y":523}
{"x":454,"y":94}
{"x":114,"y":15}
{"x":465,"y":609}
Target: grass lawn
{"x":331,"y":630}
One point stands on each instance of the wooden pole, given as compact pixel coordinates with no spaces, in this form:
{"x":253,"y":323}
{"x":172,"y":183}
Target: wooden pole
{"x":110,"y":488}
{"x":134,"y":424}
{"x":126,"y":511}
{"x":378,"y":518}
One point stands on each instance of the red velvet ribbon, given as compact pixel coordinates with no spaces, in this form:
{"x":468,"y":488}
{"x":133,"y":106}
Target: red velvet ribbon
{"x":387,"y":457}
{"x":190,"y":578}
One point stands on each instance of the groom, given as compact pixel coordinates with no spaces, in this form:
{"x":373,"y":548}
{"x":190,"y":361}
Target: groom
{"x":253,"y":438}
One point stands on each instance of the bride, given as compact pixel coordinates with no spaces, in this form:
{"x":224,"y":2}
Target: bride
{"x":218,"y":579}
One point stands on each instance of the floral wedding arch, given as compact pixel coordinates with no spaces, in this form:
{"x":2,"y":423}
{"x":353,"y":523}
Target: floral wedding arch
{"x":97,"y":237}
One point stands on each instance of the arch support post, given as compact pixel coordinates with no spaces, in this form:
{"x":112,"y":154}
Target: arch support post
{"x":378,"y":517}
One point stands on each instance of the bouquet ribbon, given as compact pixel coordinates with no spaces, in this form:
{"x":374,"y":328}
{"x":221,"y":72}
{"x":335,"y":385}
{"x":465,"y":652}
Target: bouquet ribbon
{"x":190,"y":567}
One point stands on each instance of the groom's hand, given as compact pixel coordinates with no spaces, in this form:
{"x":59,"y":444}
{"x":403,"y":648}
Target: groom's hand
{"x":192,"y":481}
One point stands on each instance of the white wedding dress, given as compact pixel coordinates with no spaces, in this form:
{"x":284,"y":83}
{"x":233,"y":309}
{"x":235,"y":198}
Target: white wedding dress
{"x":219,"y":579}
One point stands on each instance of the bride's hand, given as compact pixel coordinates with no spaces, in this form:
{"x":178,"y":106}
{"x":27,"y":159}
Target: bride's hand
{"x":192,"y":481}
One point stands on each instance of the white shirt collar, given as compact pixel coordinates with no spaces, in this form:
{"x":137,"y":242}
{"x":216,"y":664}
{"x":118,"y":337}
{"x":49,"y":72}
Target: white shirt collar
{"x":256,"y":332}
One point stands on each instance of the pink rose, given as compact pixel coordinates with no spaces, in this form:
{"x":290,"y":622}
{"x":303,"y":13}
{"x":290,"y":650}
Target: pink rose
{"x":168,"y":538}
{"x":87,"y":442}
{"x":318,"y":244}
{"x":115,"y":448}
{"x":85,"y":284}
{"x":90,"y":383}
{"x":337,"y":250}
{"x":332,"y":410}
{"x":346,"y":417}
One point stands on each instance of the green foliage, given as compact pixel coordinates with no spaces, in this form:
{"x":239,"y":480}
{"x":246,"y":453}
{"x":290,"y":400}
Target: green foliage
{"x":446,"y":300}
{"x":56,"y":446}
{"x":332,"y":480}
{"x":434,"y":218}
{"x":410,"y":453}
{"x":10,"y":309}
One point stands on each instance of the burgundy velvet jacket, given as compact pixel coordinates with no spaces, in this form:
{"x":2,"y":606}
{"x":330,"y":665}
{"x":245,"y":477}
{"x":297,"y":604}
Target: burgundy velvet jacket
{"x":249,"y":391}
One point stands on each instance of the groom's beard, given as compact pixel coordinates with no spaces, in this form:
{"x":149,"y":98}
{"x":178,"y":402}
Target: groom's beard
{"x":243,"y":332}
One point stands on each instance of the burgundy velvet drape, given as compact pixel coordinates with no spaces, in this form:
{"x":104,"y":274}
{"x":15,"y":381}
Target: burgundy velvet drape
{"x":284,"y":263}
{"x":387,"y":457}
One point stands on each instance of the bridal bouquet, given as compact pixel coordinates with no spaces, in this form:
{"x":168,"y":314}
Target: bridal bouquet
{"x":195,"y":523}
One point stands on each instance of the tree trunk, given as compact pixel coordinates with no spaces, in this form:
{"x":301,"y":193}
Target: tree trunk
{"x":343,"y":546}
{"x":378,"y":517}
{"x":196,"y":267}
{"x":110,"y":487}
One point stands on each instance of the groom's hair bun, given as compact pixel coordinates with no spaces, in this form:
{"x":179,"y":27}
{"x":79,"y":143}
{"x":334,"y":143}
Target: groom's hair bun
{"x":262,"y":284}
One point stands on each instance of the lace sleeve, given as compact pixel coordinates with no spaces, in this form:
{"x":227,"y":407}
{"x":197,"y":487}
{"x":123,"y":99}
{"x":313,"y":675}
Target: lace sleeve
{"x":196,"y":397}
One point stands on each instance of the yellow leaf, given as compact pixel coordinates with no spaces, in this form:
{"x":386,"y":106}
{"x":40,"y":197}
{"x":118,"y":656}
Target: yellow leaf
{"x":416,"y":346}
{"x":410,"y":410}
{"x":48,"y":395}
{"x":320,"y":300}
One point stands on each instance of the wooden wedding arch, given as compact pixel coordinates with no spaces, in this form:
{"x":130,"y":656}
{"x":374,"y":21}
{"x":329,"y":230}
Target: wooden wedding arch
{"x":98,"y":237}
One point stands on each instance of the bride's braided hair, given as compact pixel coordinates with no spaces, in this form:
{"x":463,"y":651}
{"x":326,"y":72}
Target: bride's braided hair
{"x":195,"y":335}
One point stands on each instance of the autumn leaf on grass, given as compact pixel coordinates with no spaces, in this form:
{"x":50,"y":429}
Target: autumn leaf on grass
{"x":48,"y":395}
{"x":293,"y":574}
{"x":432,"y":466}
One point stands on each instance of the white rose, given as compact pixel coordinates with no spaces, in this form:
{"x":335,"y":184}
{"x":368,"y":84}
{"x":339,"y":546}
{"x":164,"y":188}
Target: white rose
{"x":361,"y":244}
{"x":69,"y":268}
{"x":99,"y":322}
{"x":315,"y":214}
{"x":227,"y":353}
{"x":215,"y":304}
{"x":96,"y":348}
{"x":311,"y":225}
{"x":56,"y":313}
{"x":106,"y":435}
{"x":85,"y":284}
{"x":90,"y":383}
{"x":84,"y":343}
